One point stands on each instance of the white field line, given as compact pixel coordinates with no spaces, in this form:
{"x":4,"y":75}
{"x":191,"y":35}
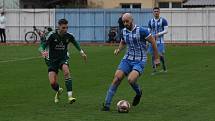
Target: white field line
{"x":20,"y":59}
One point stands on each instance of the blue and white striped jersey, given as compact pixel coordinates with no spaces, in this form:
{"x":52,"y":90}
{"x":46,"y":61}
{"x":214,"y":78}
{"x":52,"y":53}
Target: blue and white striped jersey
{"x":136,"y":43}
{"x":156,"y":26}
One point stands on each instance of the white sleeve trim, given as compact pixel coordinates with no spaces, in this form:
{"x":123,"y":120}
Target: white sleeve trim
{"x":148,"y":36}
{"x":81,"y":51}
{"x":165,"y":31}
{"x":149,"y":29}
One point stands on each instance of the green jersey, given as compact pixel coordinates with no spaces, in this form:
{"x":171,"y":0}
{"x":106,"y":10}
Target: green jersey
{"x":57,"y":45}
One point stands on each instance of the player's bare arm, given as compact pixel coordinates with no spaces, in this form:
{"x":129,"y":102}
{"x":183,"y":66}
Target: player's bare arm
{"x":43,"y":51}
{"x":121,"y":46}
{"x":84,"y":56}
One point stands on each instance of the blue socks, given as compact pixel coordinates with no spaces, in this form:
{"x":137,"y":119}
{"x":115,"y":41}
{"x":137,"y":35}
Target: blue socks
{"x":110,"y":93}
{"x":163,"y":62}
{"x":153,"y":64}
{"x":136,"y":88}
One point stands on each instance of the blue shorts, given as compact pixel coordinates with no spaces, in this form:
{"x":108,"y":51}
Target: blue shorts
{"x":160,"y":46}
{"x":128,"y":65}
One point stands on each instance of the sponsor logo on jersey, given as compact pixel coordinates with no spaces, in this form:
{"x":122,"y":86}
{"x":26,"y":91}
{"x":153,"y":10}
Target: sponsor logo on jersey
{"x":60,"y":46}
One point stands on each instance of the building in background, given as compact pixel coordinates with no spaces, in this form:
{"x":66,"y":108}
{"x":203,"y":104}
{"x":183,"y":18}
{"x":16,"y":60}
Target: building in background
{"x":9,"y":4}
{"x":169,"y":3}
{"x":53,"y":3}
{"x":106,"y":4}
{"x":120,"y":3}
{"x":199,"y":3}
{"x":66,"y":3}
{"x":135,"y":3}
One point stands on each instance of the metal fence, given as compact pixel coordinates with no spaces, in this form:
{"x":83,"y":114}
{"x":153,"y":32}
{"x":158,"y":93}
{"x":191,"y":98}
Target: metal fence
{"x":94,"y":24}
{"x":185,"y":25}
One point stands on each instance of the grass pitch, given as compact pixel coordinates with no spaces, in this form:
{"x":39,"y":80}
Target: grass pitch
{"x":185,"y":93}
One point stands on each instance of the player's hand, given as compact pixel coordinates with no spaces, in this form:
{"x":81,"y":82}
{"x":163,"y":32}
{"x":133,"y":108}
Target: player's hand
{"x":156,"y":36}
{"x":157,"y":62}
{"x":44,"y":54}
{"x":84,"y":56}
{"x":116,"y":51}
{"x":41,"y":33}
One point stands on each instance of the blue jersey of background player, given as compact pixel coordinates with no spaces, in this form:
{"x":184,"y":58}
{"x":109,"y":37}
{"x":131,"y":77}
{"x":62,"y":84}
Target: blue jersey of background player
{"x":158,"y":26}
{"x":133,"y":63}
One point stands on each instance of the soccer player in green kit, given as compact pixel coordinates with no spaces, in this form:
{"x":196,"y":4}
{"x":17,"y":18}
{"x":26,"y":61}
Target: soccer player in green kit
{"x":55,"y":51}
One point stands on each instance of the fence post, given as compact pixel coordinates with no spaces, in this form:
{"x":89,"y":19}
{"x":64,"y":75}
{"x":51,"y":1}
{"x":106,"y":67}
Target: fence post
{"x":203,"y":37}
{"x":171,"y":38}
{"x":104,"y":25}
{"x":207,"y":24}
{"x":187,"y":11}
{"x":19,"y":25}
{"x":79,"y":30}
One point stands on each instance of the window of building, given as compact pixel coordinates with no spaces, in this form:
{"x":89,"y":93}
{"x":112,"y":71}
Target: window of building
{"x":163,"y":4}
{"x":130,"y":5}
{"x":136,"y":6}
{"x":125,"y":5}
{"x":25,"y":6}
{"x":176,"y":5}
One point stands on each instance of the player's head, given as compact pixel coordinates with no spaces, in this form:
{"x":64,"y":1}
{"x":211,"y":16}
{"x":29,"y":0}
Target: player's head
{"x":156,"y":12}
{"x":49,"y":29}
{"x":2,"y":13}
{"x":127,"y":20}
{"x":63,"y":25}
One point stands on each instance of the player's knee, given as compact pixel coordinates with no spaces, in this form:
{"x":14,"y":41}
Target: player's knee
{"x":53,"y":82}
{"x":119,"y":76}
{"x":66,"y":73}
{"x":131,"y":80}
{"x":116,"y":80}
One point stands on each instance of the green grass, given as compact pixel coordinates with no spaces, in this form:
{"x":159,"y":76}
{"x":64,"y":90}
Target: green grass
{"x":185,"y":93}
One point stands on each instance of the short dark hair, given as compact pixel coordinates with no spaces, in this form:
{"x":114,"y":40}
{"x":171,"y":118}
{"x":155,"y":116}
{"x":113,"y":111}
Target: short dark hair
{"x":2,"y":13}
{"x":156,"y":8}
{"x":49,"y":29}
{"x":62,"y":21}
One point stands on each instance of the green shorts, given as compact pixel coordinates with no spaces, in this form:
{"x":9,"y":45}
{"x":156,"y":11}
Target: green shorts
{"x":55,"y":65}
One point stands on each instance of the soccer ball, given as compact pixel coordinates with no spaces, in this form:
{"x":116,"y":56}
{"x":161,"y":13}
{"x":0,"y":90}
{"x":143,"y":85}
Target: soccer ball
{"x":123,"y":106}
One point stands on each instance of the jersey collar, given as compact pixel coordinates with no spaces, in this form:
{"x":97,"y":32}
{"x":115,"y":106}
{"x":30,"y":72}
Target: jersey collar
{"x":157,"y":19}
{"x":135,"y":26}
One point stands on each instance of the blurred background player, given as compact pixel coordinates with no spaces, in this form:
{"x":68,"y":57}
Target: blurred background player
{"x":133,"y":63}
{"x":2,"y":27}
{"x":43,"y":42}
{"x":112,"y":35}
{"x":158,"y":26}
{"x":121,"y":27}
{"x":55,"y":49}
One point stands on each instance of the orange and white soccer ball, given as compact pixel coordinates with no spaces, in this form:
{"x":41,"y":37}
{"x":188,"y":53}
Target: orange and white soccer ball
{"x":123,"y":106}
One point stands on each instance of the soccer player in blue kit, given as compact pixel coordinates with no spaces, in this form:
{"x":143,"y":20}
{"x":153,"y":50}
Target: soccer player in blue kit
{"x":158,"y":26}
{"x":133,"y":63}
